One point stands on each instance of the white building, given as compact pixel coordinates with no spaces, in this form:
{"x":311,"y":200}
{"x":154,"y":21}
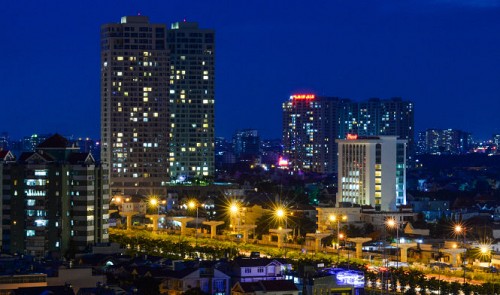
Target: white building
{"x":372,"y":171}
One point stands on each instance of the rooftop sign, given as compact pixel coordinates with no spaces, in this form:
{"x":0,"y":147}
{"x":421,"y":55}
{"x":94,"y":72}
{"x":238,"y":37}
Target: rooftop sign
{"x":303,"y":96}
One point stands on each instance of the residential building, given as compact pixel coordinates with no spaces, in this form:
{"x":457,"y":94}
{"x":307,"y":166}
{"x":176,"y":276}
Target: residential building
{"x":311,"y":124}
{"x":372,"y":171}
{"x":258,"y":269}
{"x":134,"y":95}
{"x":447,"y":142}
{"x":6,"y":157}
{"x":191,"y":101}
{"x":246,"y":145}
{"x":209,"y":280}
{"x":54,"y":200}
{"x":310,"y":127}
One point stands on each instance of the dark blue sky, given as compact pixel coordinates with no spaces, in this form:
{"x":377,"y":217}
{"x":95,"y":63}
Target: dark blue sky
{"x":442,"y":54}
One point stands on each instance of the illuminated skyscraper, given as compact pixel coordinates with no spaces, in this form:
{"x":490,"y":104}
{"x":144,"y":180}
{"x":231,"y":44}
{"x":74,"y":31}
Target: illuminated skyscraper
{"x":191,"y":101}
{"x":312,"y":123}
{"x":310,"y":127}
{"x":372,"y":171}
{"x":134,"y":96}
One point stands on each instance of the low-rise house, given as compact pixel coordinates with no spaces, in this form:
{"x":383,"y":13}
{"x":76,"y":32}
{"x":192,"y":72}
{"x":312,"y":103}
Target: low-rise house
{"x":412,"y":230}
{"x":207,"y":280}
{"x":258,"y":269}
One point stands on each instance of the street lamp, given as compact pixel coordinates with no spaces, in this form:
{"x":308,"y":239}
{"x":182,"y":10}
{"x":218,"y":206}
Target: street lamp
{"x":281,"y":214}
{"x":234,"y":210}
{"x":392,"y":223}
{"x":334,"y":218}
{"x":155,"y":202}
{"x":459,"y":229}
{"x":193,"y":204}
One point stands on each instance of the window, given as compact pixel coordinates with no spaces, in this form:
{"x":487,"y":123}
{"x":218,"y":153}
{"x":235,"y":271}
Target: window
{"x":248,"y":270}
{"x":260,"y":270}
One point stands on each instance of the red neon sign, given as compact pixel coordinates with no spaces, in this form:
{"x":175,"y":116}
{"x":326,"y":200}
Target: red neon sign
{"x":282,"y":162}
{"x":303,"y":96}
{"x":352,"y":136}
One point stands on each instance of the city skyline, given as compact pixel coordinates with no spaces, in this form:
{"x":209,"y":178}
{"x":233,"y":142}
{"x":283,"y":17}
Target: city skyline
{"x":439,"y":54}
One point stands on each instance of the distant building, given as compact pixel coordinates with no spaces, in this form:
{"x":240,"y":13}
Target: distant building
{"x":311,"y":124}
{"x":246,"y":145}
{"x":271,"y":149}
{"x":445,"y":142}
{"x":4,"y":141}
{"x":55,"y":200}
{"x":29,"y":143}
{"x":372,"y":172}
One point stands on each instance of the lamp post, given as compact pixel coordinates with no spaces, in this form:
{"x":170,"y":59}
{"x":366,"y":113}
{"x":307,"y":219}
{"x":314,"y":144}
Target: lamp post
{"x":338,"y":219}
{"x":393,"y":223}
{"x":281,"y":214}
{"x":460,"y":230}
{"x":155,"y":202}
{"x":234,"y":210}
{"x":341,"y":236}
{"x":193,"y":204}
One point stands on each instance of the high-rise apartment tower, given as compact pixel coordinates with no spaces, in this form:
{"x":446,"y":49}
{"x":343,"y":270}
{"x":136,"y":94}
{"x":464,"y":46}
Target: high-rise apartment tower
{"x":134,"y":96}
{"x":312,"y":123}
{"x":191,"y":101}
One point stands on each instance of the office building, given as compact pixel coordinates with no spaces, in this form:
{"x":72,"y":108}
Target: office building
{"x":54,"y":200}
{"x":372,"y":171}
{"x":134,"y":96}
{"x":191,"y":101}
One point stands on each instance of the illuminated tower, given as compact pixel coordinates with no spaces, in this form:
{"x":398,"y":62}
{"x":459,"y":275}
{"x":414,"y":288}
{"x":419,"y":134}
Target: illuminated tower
{"x":134,"y":96}
{"x":191,"y":101}
{"x":372,"y":171}
{"x":310,"y":127}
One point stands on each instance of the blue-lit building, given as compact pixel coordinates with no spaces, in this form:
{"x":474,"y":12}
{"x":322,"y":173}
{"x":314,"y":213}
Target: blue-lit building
{"x":331,"y":281}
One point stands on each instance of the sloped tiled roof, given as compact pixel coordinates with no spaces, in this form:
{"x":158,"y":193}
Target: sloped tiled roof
{"x":248,"y":287}
{"x":80,"y":158}
{"x":29,"y":156}
{"x":6,"y":155}
{"x":268,"y":286}
{"x":55,"y":141}
{"x":278,"y":285}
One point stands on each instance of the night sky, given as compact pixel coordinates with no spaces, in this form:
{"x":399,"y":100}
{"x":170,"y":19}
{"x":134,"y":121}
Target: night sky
{"x":442,"y":54}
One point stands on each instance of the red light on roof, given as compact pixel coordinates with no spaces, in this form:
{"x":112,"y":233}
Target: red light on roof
{"x":303,"y":96}
{"x":352,"y":136}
